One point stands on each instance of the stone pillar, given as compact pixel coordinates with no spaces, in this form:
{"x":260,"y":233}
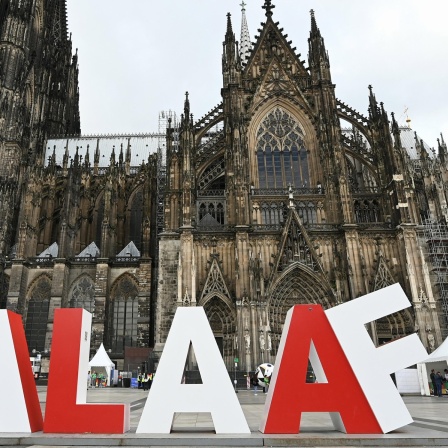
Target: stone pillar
{"x":144,"y":302}
{"x":100,"y":330}
{"x":169,"y":248}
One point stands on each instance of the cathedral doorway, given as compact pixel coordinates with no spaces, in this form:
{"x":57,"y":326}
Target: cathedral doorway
{"x":222,"y":319}
{"x":297,"y":285}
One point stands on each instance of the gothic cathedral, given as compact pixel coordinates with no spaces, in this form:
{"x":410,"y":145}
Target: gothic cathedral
{"x":282,"y":194}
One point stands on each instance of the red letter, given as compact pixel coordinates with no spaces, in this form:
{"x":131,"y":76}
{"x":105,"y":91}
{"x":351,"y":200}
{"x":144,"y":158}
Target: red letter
{"x":66,"y":408}
{"x":307,"y":331}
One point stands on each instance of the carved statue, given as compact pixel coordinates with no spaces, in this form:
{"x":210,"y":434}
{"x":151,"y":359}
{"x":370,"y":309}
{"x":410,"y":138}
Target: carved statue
{"x":431,"y":341}
{"x":247,"y":340}
{"x":262,"y":341}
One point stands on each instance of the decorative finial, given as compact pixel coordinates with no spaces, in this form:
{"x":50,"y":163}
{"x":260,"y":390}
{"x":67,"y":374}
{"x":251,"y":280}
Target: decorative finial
{"x":314,"y":28}
{"x":243,"y":6}
{"x":268,"y":6}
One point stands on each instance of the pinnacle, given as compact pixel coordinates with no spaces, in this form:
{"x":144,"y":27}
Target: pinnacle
{"x":268,"y":6}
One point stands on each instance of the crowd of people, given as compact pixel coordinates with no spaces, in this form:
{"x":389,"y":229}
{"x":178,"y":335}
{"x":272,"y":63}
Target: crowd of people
{"x":95,"y":379}
{"x":144,"y":380}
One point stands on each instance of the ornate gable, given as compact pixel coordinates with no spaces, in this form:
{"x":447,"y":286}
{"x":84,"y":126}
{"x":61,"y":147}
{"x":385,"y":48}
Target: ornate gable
{"x":278,"y":82}
{"x":383,"y":275}
{"x":273,"y":46}
{"x":296,"y":246}
{"x":215,"y":282}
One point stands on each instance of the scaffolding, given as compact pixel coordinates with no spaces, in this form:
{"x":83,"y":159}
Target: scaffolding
{"x":436,"y":236}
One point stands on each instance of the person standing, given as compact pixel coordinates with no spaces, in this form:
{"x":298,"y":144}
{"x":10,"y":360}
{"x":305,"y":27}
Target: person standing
{"x":89,"y":379}
{"x":433,"y":381}
{"x":254,"y":382}
{"x":266,"y":384}
{"x":145,"y":381}
{"x":439,"y":381}
{"x":93,"y":379}
{"x":139,"y":381}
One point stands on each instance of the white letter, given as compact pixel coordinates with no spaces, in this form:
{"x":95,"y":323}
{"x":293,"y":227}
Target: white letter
{"x":19,"y":404}
{"x":373,"y":366}
{"x":215,"y":395}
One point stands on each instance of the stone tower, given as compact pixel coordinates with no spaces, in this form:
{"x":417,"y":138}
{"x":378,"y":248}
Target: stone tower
{"x":38,"y":96}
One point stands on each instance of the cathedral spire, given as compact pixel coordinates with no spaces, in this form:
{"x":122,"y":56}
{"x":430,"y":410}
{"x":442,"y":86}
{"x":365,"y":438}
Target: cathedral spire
{"x":314,"y":29}
{"x":374,"y":110}
{"x":245,"y":43}
{"x":318,"y":59}
{"x":231,"y":62}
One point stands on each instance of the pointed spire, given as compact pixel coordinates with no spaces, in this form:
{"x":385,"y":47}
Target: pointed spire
{"x":374,"y":110}
{"x":76,"y":160}
{"x":442,"y":151}
{"x":128,"y":152}
{"x":66,"y":156}
{"x":96,"y":157}
{"x":268,"y":6}
{"x":395,"y":128}
{"x":121,"y":155}
{"x":318,"y":59}
{"x":87,"y":157}
{"x":186,"y":106}
{"x":314,"y":29}
{"x":419,"y":146}
{"x":112,"y":156}
{"x":245,"y":43}
{"x":231,"y":61}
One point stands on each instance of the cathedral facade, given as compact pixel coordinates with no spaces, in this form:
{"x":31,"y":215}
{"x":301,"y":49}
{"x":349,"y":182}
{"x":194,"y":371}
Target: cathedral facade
{"x":282,"y":194}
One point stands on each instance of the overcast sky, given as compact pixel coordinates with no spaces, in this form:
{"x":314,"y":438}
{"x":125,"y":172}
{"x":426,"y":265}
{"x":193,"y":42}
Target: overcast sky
{"x":139,"y":57}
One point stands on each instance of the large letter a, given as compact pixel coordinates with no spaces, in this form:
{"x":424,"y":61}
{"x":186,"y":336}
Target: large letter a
{"x":306,"y":332}
{"x":215,"y":395}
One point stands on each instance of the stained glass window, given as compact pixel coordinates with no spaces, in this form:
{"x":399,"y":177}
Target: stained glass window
{"x":281,"y":156}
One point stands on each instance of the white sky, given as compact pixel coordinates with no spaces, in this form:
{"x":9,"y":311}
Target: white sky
{"x":139,"y":57}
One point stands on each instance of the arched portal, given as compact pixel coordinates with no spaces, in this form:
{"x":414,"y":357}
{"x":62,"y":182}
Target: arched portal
{"x":222,"y":320}
{"x":297,"y":285}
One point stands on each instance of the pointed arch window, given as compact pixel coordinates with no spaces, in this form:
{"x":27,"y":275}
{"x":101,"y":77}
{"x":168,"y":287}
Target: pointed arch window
{"x":83,"y":295}
{"x":37,"y":314}
{"x":281,"y":156}
{"x":124,"y":314}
